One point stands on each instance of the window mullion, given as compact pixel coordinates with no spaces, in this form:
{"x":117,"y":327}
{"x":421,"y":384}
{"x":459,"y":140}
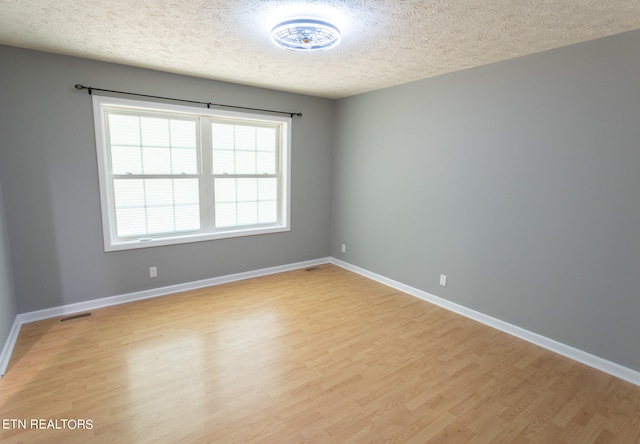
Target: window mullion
{"x":207,"y":191}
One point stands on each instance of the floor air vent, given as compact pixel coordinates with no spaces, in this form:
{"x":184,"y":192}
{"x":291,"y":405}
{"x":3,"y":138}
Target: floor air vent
{"x":73,"y":317}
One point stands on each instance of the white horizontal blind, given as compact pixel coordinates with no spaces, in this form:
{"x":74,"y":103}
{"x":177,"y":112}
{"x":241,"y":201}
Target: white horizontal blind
{"x":151,"y":159}
{"x":245,"y":167}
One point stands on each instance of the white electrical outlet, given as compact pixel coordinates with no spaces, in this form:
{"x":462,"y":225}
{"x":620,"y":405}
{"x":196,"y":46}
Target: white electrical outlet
{"x":153,"y":272}
{"x":443,"y":280}
{"x":344,"y":248}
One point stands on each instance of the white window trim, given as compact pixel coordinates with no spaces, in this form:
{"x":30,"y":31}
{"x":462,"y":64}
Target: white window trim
{"x":112,"y":243}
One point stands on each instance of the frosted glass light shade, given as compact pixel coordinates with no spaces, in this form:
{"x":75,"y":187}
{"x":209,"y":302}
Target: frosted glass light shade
{"x":305,"y":35}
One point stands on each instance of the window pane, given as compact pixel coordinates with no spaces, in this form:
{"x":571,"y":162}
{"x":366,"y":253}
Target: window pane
{"x":266,"y":139}
{"x":129,"y":193}
{"x":156,"y":160}
{"x":245,"y":138}
{"x":158,"y":192}
{"x":246,"y":201}
{"x":156,"y":206}
{"x":224,"y":162}
{"x":126,"y":159}
{"x":242,"y":149}
{"x":154,"y":131}
{"x":268,"y":189}
{"x":184,"y":160}
{"x":187,"y":204}
{"x":245,"y":162}
{"x":187,"y":218}
{"x":223,"y":137}
{"x":124,"y":130}
{"x":185,"y":191}
{"x":266,"y":163}
{"x":247,"y":213}
{"x":160,"y":220}
{"x":183,"y":134}
{"x":267,"y":212}
{"x":267,"y":200}
{"x":247,"y":190}
{"x":130,"y":207}
{"x":225,"y":215}
{"x":131,"y":222}
{"x":225,"y":190}
{"x":153,"y":145}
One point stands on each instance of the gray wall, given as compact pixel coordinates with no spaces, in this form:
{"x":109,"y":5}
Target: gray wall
{"x":48,"y":169}
{"x":519,"y":180}
{"x":8,"y":308}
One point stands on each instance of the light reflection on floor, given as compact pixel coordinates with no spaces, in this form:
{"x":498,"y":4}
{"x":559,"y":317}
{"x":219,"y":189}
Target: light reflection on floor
{"x":170,"y":371}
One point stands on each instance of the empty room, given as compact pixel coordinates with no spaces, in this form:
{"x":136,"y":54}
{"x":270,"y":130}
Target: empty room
{"x":321,"y":221}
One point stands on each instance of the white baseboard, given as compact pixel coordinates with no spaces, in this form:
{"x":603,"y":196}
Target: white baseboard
{"x":94,"y":304}
{"x":578,"y":355}
{"x":575,"y":354}
{"x":8,"y":346}
{"x":162,"y":291}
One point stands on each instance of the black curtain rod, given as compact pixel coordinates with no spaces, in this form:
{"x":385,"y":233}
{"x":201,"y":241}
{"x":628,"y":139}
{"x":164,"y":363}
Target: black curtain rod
{"x":90,"y":90}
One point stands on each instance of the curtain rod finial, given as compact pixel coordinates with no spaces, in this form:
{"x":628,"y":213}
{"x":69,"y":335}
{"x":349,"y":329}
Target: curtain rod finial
{"x":79,"y":86}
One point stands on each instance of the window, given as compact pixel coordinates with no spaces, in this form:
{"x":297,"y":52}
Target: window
{"x":173,"y":174}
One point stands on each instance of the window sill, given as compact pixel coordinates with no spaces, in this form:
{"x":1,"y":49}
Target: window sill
{"x":200,"y":237}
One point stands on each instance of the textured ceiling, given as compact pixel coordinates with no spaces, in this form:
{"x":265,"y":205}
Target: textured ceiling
{"x":385,"y":42}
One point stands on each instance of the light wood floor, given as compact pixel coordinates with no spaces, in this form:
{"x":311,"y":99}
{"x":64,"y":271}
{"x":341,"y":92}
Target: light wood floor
{"x":304,"y":356}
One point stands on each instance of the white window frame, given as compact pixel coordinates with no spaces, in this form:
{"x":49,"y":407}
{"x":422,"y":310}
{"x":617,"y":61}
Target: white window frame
{"x":101,"y":105}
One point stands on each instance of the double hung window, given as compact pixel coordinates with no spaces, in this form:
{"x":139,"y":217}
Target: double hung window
{"x":174,"y":174}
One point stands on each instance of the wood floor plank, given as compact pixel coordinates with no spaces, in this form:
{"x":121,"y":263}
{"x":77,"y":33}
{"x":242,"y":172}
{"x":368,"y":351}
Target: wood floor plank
{"x":318,"y":356}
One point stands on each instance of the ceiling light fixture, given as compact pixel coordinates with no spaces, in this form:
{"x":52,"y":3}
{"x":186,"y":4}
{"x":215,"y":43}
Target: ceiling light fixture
{"x":305,"y":35}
